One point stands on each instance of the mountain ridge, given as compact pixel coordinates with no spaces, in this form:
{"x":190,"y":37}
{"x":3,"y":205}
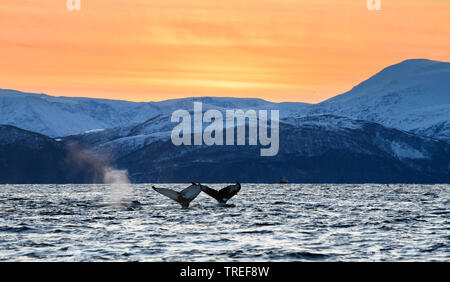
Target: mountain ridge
{"x":413,"y":95}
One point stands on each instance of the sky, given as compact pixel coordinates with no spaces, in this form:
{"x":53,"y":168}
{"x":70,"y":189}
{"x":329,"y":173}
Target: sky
{"x":152,"y":50}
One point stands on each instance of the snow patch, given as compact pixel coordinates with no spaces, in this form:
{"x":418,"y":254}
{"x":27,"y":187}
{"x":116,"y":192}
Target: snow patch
{"x":94,"y":130}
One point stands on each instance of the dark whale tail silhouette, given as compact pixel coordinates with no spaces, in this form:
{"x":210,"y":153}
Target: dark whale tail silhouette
{"x":185,"y":197}
{"x":224,"y":194}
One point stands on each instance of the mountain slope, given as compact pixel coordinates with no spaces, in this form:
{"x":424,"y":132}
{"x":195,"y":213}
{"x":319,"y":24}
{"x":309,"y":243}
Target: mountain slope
{"x":413,"y":95}
{"x":29,"y":157}
{"x":323,"y":148}
{"x":62,"y":116}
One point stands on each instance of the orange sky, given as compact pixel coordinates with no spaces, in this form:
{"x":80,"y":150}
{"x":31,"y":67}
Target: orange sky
{"x":149,"y":50}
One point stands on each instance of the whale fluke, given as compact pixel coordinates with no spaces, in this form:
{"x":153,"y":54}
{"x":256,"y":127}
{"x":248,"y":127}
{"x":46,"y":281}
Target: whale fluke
{"x":184,"y":197}
{"x":224,"y":194}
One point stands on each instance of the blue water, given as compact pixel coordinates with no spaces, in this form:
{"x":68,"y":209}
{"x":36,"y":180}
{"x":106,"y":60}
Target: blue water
{"x":293,"y":222}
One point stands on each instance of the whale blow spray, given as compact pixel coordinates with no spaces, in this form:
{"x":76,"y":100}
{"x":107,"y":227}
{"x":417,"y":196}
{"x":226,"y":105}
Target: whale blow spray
{"x":120,"y":190}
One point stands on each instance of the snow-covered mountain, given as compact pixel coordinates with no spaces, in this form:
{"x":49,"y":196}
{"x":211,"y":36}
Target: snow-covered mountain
{"x":386,"y":129}
{"x":413,"y":95}
{"x":322,"y":148}
{"x":61,"y":116}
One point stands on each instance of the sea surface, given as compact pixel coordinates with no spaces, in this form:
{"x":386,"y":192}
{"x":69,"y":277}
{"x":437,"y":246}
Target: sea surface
{"x":291,"y":222}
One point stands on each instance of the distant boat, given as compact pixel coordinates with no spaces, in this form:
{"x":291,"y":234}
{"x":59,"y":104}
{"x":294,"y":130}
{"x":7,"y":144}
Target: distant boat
{"x":283,"y":180}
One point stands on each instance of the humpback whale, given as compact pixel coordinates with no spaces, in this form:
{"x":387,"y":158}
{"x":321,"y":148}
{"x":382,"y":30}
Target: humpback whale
{"x":224,"y":194}
{"x":129,"y":205}
{"x":184,"y":197}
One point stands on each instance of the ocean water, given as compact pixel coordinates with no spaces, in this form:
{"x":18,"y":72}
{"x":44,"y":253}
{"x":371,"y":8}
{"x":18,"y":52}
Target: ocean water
{"x":293,"y":222}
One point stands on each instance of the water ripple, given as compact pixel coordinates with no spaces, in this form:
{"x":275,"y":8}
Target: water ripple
{"x":322,"y":222}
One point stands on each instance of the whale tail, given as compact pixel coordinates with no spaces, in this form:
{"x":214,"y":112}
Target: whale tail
{"x":224,"y":194}
{"x":184,"y":198}
{"x":211,"y":192}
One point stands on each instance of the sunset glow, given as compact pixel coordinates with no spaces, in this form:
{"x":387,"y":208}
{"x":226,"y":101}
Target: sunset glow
{"x":150,"y":50}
